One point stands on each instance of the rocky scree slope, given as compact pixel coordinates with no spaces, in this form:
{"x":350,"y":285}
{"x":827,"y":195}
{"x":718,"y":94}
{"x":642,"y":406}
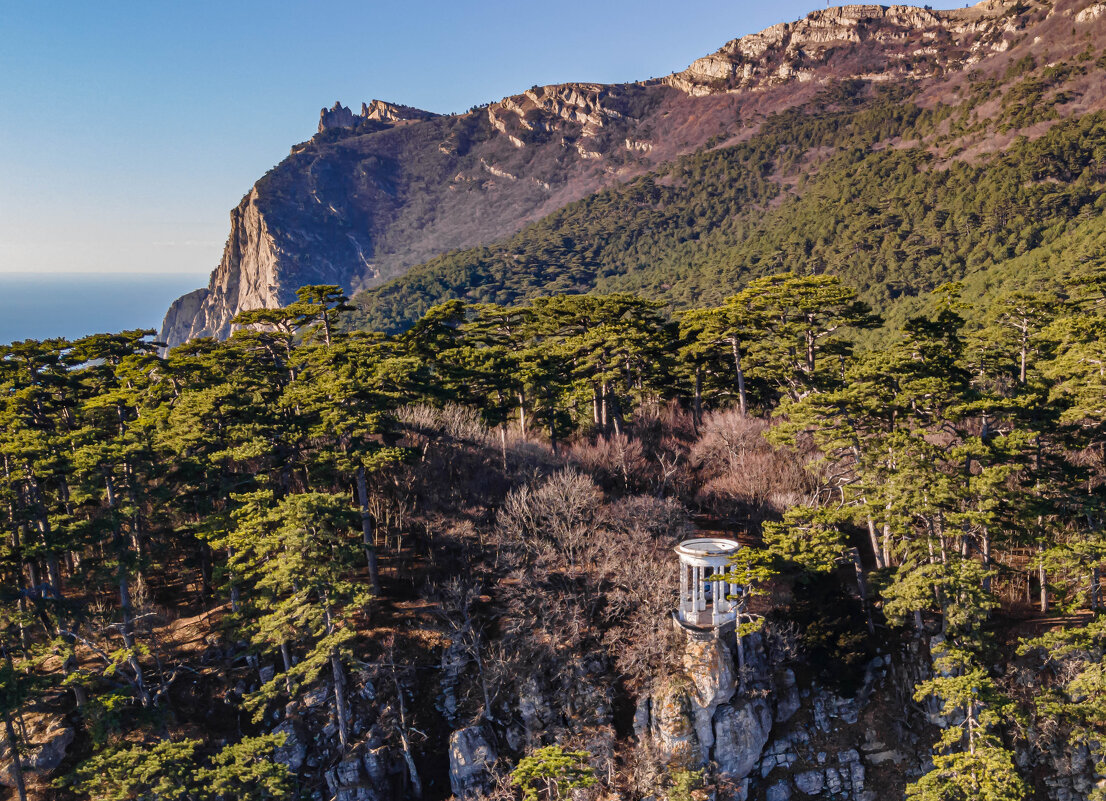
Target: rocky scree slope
{"x":373,"y":194}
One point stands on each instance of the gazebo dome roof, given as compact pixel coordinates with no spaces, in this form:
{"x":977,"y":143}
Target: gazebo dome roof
{"x":707,"y":546}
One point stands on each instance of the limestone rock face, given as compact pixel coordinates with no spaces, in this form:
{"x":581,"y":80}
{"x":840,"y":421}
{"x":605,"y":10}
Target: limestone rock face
{"x":248,"y":277}
{"x":293,"y":752}
{"x":740,"y":732}
{"x":780,"y":791}
{"x":803,"y":50}
{"x":710,"y":668}
{"x":810,"y":782}
{"x":48,"y":739}
{"x":181,"y":316}
{"x":383,"y":111}
{"x":1090,"y":13}
{"x":787,"y":698}
{"x":337,"y":116}
{"x":470,"y":757}
{"x":672,"y":725}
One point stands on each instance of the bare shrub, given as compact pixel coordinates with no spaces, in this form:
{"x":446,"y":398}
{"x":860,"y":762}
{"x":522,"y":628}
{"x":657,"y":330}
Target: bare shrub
{"x":640,"y":579}
{"x":659,"y":425}
{"x":528,"y":457}
{"x":783,"y":641}
{"x":457,"y":460}
{"x":452,"y":421}
{"x":648,"y":515}
{"x":640,"y":596}
{"x":616,"y":461}
{"x":553,"y":520}
{"x":744,"y":472}
{"x":666,"y":433}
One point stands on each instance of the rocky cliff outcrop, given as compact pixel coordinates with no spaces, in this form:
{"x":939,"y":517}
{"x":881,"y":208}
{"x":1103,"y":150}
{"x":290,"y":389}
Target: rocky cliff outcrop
{"x":874,"y":42}
{"x":769,"y":739}
{"x":248,"y":277}
{"x":375,"y":193}
{"x":338,"y":116}
{"x":760,"y":736}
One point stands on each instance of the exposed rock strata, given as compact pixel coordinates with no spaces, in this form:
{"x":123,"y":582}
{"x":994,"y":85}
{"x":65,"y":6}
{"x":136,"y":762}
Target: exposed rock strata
{"x":248,"y":277}
{"x":883,"y":42}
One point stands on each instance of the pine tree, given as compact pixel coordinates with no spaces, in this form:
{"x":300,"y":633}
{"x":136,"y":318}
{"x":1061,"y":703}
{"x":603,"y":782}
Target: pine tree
{"x":294,"y":556}
{"x":552,"y":773}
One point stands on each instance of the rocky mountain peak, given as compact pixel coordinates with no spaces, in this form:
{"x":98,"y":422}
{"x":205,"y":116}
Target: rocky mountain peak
{"x":338,"y":116}
{"x":384,"y":111}
{"x":911,"y":42}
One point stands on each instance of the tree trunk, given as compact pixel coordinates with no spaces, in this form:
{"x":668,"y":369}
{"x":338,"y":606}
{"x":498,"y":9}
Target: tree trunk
{"x":1043,"y":577}
{"x":522,"y":413}
{"x":987,"y":558}
{"x":16,"y":767}
{"x":408,"y":757}
{"x":339,"y":680}
{"x":235,"y":594}
{"x":697,"y":416}
{"x":1024,"y":358}
{"x":1094,"y":589}
{"x":286,"y":658}
{"x":742,"y":404}
{"x":368,"y":530}
{"x":887,"y":541}
{"x":740,"y":649}
{"x":615,"y":412}
{"x":862,"y":589}
{"x":340,"y":698}
{"x":126,"y":629}
{"x":876,"y":554}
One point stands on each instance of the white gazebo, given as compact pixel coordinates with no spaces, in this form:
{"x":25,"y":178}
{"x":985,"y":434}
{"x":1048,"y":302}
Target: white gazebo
{"x":703,"y":601}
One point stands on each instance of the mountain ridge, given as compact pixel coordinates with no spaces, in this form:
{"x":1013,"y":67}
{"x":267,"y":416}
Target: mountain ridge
{"x":373,"y":195}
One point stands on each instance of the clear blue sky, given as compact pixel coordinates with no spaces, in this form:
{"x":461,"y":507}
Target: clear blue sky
{"x":130,"y":129}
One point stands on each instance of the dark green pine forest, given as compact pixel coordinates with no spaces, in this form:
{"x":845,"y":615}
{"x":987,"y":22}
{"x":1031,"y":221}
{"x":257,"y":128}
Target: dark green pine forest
{"x":273,"y":537}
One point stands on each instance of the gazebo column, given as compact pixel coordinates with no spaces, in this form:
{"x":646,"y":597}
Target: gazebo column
{"x":683,"y":591}
{"x":702,"y":607}
{"x":693,"y":595}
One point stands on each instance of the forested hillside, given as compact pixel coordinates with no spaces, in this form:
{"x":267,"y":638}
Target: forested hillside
{"x":882,"y":186}
{"x":311,"y":563}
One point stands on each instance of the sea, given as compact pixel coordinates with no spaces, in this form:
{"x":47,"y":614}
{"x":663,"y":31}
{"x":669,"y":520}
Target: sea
{"x":73,"y":305}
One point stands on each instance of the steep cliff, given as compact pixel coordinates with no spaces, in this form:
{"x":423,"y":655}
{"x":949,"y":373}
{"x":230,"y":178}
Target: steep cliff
{"x":375,"y":193}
